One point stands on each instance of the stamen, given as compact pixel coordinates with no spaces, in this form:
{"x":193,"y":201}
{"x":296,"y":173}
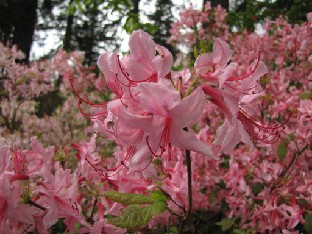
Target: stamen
{"x":86,"y":100}
{"x":91,"y":116}
{"x":248,"y":74}
{"x":164,"y":143}
{"x":246,"y":90}
{"x":130,"y":152}
{"x":268,"y":134}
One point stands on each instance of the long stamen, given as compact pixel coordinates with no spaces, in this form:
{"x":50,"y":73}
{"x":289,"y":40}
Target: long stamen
{"x":164,"y":143}
{"x":86,"y":99}
{"x":260,"y":132}
{"x":245,"y":92}
{"x":91,"y":116}
{"x":248,"y":74}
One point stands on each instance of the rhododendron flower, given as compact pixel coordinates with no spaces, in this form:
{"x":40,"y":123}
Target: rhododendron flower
{"x":165,"y":105}
{"x":233,"y":94}
{"x":213,"y":67}
{"x":141,"y":65}
{"x":157,"y":122}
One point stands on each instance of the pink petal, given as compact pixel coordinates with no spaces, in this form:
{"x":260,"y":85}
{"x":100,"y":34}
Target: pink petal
{"x":156,"y":98}
{"x":188,"y":140}
{"x":103,"y":64}
{"x":221,"y":52}
{"x":187,"y":111}
{"x":227,"y":136}
{"x":142,"y":46}
{"x":255,"y":76}
{"x":138,"y":71}
{"x":163,"y":62}
{"x":204,"y":63}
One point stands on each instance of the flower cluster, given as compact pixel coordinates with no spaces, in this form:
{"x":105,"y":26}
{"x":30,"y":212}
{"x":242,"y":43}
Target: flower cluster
{"x":23,"y":88}
{"x":230,"y":114}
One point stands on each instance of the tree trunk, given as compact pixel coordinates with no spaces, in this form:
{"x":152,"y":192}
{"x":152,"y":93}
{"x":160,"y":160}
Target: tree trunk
{"x":24,"y":18}
{"x":135,"y":6}
{"x":68,"y":31}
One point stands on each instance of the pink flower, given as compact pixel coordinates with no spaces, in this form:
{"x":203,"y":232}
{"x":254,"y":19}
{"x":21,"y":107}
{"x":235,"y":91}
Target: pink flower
{"x":213,"y":67}
{"x":233,"y":94}
{"x":158,"y":121}
{"x":165,"y":105}
{"x":141,"y":65}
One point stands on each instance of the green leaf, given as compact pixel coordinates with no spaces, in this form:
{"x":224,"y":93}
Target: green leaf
{"x":203,"y":46}
{"x":158,"y":195}
{"x":238,"y":231}
{"x":213,"y":196}
{"x":132,"y":23}
{"x":257,"y":188}
{"x":130,"y":198}
{"x":308,"y":224}
{"x":282,"y":150}
{"x":292,"y":136}
{"x":173,"y":230}
{"x":302,"y":202}
{"x":305,"y":95}
{"x":226,"y":224}
{"x":135,"y":216}
{"x":247,"y":231}
{"x":195,"y":52}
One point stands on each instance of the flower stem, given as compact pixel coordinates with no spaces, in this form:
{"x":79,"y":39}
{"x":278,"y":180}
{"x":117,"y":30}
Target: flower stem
{"x":189,"y":188}
{"x":30,"y":202}
{"x":189,"y":182}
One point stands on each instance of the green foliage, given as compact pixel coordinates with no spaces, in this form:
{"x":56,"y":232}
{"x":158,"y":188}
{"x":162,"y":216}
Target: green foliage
{"x":244,"y":16}
{"x":133,"y":23}
{"x":238,"y":231}
{"x":257,"y":188}
{"x":226,"y":162}
{"x":134,"y":216}
{"x":295,"y":10}
{"x":130,"y":198}
{"x":282,"y":150}
{"x":48,"y":103}
{"x":118,"y":5}
{"x":305,"y":96}
{"x":58,"y":227}
{"x":264,"y":81}
{"x":204,"y":47}
{"x":138,"y":213}
{"x":162,"y":19}
{"x":226,"y":224}
{"x":246,"y":13}
{"x":308,"y":224}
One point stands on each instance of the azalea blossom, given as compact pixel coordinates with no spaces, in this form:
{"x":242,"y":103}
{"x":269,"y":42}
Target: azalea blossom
{"x":158,"y":121}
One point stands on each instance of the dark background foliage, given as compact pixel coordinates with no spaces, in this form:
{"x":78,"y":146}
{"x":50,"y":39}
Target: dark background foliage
{"x":91,"y":25}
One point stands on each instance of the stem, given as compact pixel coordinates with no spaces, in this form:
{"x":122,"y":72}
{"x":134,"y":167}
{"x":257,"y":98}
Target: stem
{"x":189,"y":187}
{"x":286,"y":172}
{"x":293,"y":161}
{"x":30,"y":202}
{"x":189,"y":182}
{"x":188,"y":91}
{"x":26,"y":229}
{"x":93,"y":211}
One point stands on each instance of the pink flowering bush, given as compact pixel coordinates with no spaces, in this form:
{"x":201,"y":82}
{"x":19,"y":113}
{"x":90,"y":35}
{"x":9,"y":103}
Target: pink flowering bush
{"x":223,"y":146}
{"x":22,"y":86}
